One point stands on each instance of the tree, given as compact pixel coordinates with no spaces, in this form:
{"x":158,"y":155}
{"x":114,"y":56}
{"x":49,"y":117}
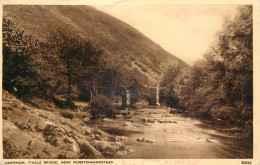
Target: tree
{"x":18,"y":51}
{"x":220,"y":86}
{"x":74,"y":55}
{"x":222,"y":82}
{"x":115,"y":78}
{"x":171,"y":82}
{"x":236,"y":50}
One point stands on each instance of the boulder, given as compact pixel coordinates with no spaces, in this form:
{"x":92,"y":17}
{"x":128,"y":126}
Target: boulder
{"x":120,"y":138}
{"x":41,"y":125}
{"x":150,"y":120}
{"x":144,"y":140}
{"x":148,"y":141}
{"x":87,"y":150}
{"x":52,"y":134}
{"x":144,"y":119}
{"x":119,"y":116}
{"x":99,"y":135}
{"x":107,"y":120}
{"x":111,"y":149}
{"x":165,"y":121}
{"x":67,"y":114}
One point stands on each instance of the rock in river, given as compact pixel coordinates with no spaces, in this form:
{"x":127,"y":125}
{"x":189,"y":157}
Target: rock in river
{"x":144,"y":140}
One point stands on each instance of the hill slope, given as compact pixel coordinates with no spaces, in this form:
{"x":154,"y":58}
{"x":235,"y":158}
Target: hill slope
{"x":120,"y":41}
{"x":33,"y":133}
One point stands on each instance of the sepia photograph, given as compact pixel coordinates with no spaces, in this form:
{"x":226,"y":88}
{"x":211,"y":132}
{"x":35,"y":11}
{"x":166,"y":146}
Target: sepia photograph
{"x":147,"y":81}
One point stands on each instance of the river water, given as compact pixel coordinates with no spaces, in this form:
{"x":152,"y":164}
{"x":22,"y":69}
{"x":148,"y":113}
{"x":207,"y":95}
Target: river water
{"x":173,"y":136}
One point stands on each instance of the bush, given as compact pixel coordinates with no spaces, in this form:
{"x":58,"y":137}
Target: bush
{"x":101,"y":105}
{"x":227,"y":113}
{"x":64,"y":104}
{"x":70,"y":104}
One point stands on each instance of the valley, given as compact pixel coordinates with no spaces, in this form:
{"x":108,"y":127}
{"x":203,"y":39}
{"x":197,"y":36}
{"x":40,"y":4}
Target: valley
{"x":81,"y":84}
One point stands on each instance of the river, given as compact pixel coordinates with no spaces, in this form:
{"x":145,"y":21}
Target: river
{"x":173,"y":136}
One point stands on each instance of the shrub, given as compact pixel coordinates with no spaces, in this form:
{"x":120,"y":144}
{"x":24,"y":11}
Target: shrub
{"x":101,"y":105}
{"x":227,"y":113}
{"x":64,"y":104}
{"x":70,"y":104}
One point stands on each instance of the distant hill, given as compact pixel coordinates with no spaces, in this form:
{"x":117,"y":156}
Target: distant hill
{"x":122,"y":44}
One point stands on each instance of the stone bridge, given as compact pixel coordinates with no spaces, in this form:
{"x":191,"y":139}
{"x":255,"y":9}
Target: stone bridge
{"x":126,"y":96}
{"x":157,"y":96}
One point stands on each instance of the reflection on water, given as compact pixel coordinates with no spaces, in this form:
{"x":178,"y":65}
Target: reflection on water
{"x":174,"y":137}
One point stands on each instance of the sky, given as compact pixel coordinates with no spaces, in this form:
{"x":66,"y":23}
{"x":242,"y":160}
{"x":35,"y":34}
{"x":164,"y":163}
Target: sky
{"x":186,"y":31}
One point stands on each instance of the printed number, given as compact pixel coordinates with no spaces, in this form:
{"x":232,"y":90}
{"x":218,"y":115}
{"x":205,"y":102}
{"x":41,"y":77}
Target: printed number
{"x":246,"y":162}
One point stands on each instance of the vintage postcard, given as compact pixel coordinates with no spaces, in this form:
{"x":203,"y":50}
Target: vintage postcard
{"x":130,"y":82}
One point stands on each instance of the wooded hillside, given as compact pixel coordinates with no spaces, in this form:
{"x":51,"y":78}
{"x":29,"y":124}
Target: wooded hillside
{"x":220,"y":86}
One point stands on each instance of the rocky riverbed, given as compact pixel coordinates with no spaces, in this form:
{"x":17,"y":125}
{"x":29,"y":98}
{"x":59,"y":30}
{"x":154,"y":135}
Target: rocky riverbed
{"x":31,"y":132}
{"x":155,"y":133}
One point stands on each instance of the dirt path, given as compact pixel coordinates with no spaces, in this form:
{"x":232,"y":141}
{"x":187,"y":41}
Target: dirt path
{"x":172,"y":136}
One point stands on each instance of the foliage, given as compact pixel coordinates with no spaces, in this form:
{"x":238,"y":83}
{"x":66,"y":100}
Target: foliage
{"x":73,"y":55}
{"x":101,"y":105}
{"x":114,"y":78}
{"x":220,"y":86}
{"x":169,"y":84}
{"x":63,"y":62}
{"x":18,"y":49}
{"x":41,"y":69}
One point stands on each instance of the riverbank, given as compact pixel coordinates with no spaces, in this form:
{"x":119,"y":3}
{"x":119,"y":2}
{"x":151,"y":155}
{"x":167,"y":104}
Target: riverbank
{"x":31,"y":132}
